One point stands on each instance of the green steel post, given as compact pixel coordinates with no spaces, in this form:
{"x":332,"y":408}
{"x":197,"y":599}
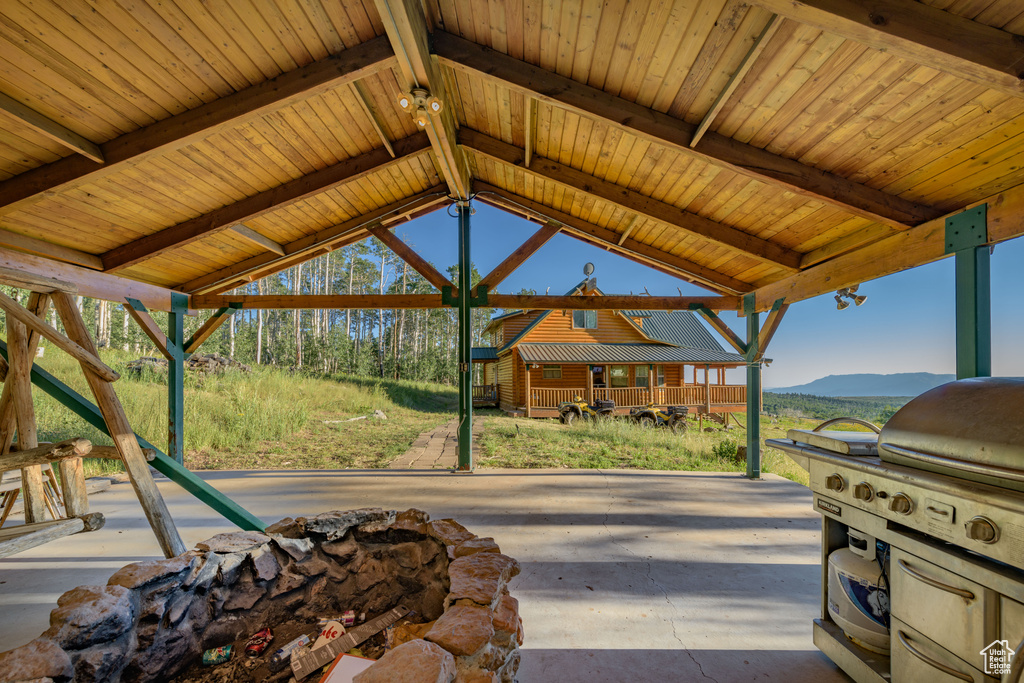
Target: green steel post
{"x":176,"y":377}
{"x":465,"y":343}
{"x":753,"y":390}
{"x":177,"y":473}
{"x":973,"y":313}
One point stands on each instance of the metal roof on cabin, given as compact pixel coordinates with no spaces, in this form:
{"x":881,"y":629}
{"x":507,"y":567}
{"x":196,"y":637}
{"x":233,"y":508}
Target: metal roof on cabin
{"x":485,"y":353}
{"x":622,"y":353}
{"x":678,"y":327}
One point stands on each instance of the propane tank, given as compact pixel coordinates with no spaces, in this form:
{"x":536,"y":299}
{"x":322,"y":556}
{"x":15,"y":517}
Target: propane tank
{"x":855,"y":600}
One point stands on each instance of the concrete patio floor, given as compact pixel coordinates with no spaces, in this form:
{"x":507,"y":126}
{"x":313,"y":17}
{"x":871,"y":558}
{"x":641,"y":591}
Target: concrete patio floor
{"x":626,"y":575}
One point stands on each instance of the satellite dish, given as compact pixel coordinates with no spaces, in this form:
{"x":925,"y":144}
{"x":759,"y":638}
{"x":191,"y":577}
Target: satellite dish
{"x":588,"y":269}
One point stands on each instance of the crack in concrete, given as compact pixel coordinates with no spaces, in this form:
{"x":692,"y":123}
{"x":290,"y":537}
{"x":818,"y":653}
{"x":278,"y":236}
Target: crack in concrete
{"x":649,"y":568}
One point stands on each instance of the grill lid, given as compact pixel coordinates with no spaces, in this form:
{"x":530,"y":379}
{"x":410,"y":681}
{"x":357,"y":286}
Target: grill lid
{"x":971,"y":428}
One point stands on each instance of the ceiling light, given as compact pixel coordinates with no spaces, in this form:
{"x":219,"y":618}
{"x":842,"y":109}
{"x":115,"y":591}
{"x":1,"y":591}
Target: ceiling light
{"x":421,"y":118}
{"x":434,"y":105}
{"x":859,"y":299}
{"x":405,"y":102}
{"x":840,"y":304}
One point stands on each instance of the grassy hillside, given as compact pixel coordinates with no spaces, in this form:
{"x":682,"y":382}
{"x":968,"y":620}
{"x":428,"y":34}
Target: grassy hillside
{"x":877,"y":409}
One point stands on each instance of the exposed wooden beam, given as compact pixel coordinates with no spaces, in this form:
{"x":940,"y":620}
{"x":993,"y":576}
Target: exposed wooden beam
{"x":365,"y":100}
{"x":720,"y":326}
{"x":33,"y":282}
{"x":317,"y":301}
{"x":31,"y":245}
{"x":185,"y":128}
{"x":841,"y":245}
{"x":51,"y":129}
{"x":407,"y":29}
{"x":33,"y":322}
{"x":144,"y":320}
{"x":305,"y":246}
{"x":535,"y":302}
{"x":46,"y":453}
{"x":770,"y":327}
{"x":259,"y":240}
{"x":629,"y":228}
{"x":89,"y":282}
{"x":631,"y":248}
{"x":907,"y":249}
{"x":407,"y":254}
{"x":260,"y":204}
{"x":208,"y":328}
{"x":734,"y":81}
{"x":927,"y":35}
{"x":530,"y":134}
{"x":662,"y":129}
{"x":627,"y":199}
{"x":519,"y":256}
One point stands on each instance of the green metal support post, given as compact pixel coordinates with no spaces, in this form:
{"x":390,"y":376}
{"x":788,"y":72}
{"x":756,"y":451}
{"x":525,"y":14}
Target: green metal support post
{"x":966,"y":238}
{"x":753,"y":389}
{"x":465,"y":343}
{"x":174,"y":471}
{"x":176,"y":377}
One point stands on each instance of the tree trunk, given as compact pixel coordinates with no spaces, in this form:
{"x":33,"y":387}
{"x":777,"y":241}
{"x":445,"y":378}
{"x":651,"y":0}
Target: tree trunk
{"x":297,"y":289}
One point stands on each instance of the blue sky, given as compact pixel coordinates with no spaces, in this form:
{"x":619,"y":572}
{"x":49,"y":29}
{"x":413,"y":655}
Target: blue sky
{"x":906,"y":325}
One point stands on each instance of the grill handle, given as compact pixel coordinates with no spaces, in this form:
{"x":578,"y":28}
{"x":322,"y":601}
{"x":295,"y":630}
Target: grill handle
{"x":931,"y":662}
{"x":956,"y":463}
{"x":847,"y":420}
{"x":935,"y":583}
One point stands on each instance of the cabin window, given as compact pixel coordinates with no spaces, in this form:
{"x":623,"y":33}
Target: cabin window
{"x":642,"y":374}
{"x":499,"y":336}
{"x":586,"y":320}
{"x":552,"y":372}
{"x":619,"y":376}
{"x":660,"y":371}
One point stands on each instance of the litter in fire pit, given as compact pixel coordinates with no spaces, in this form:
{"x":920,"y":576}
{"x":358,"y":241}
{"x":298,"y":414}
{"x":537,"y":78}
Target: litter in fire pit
{"x":153,"y":620}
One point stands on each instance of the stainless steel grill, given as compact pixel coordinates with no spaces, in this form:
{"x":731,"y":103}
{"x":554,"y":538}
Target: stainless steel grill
{"x":943,"y":486}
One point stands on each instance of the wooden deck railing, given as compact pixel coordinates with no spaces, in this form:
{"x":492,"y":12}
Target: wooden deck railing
{"x":550,"y":398}
{"x":631,"y":397}
{"x":485,"y":393}
{"x":728,"y":394}
{"x":625,"y":397}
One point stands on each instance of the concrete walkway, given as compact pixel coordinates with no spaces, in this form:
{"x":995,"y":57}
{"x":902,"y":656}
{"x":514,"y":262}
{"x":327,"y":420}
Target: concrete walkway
{"x":436,"y":449}
{"x":656,"y":576}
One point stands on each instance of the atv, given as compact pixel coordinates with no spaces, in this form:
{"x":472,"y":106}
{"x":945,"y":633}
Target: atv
{"x":673,"y":417}
{"x":578,"y":409}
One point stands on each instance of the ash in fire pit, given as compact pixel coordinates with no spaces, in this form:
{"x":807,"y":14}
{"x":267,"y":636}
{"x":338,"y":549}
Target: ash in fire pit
{"x":153,"y":620}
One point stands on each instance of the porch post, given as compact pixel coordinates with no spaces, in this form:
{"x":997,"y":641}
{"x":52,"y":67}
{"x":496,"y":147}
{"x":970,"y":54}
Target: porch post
{"x":650,"y":381}
{"x":176,"y":377}
{"x":707,"y":388}
{"x":526,"y":366}
{"x":590,"y":384}
{"x":753,"y":389}
{"x":465,"y":343}
{"x":966,"y":237}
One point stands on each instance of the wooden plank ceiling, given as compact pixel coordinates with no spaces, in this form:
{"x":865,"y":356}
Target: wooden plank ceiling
{"x":743,"y":146}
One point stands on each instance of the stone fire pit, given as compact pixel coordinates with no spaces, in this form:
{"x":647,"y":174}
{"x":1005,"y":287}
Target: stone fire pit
{"x":152,"y":620}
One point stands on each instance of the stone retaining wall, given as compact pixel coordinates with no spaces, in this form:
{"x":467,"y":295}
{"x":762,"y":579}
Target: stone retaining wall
{"x":153,"y":619}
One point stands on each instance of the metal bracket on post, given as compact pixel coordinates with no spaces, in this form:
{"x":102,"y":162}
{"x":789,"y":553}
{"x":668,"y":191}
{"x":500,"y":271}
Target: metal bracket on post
{"x":447,"y":298}
{"x":753,"y":388}
{"x":478,"y":297}
{"x":967,"y":239}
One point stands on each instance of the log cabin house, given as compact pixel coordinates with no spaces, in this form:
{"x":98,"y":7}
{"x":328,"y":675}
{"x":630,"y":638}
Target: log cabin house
{"x":539,"y":359}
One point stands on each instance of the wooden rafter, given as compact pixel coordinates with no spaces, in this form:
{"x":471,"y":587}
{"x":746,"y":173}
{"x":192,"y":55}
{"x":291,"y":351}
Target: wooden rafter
{"x":180,"y":130}
{"x":31,"y":245}
{"x":907,"y":249}
{"x":51,"y":129}
{"x":662,"y":129}
{"x":627,"y":199}
{"x":519,"y":256}
{"x":770,"y":327}
{"x":629,"y":228}
{"x":88,"y":282}
{"x":407,"y":29}
{"x":208,"y":328}
{"x":531,"y":301}
{"x":407,"y":254}
{"x":304,"y":248}
{"x":259,"y":240}
{"x":734,"y":81}
{"x":631,"y":248}
{"x":252,"y":207}
{"x":719,"y":326}
{"x":927,"y":35}
{"x":530,"y":132}
{"x":365,"y":100}
{"x":144,"y":320}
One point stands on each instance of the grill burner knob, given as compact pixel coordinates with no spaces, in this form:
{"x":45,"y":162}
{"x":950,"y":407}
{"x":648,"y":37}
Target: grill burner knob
{"x":901,"y":504}
{"x":863,"y":491}
{"x":834,"y":482}
{"x":982,"y":529}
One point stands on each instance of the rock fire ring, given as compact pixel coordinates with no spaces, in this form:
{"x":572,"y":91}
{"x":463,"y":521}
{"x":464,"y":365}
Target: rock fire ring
{"x":153,"y":619}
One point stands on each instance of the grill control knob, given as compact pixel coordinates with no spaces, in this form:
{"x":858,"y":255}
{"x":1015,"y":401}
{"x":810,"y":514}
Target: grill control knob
{"x":863,"y":491}
{"x":982,"y":529}
{"x":901,"y":504}
{"x":834,"y":482}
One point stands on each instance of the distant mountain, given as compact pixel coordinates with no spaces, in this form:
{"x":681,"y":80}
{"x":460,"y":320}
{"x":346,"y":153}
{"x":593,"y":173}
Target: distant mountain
{"x":901,"y":384}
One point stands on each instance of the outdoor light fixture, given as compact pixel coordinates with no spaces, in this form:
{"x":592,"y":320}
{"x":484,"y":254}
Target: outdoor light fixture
{"x":421,"y":104}
{"x":849,"y":293}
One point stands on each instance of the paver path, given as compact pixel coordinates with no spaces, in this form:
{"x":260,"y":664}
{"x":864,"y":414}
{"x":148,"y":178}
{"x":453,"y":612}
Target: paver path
{"x":436,"y":449}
